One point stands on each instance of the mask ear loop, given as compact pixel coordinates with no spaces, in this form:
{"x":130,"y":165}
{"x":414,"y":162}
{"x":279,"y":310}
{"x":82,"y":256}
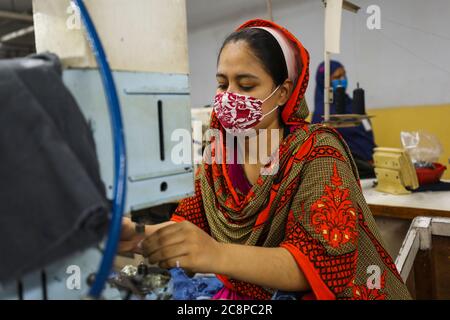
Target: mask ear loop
{"x":273,"y":92}
{"x":270,"y":112}
{"x":268,"y":99}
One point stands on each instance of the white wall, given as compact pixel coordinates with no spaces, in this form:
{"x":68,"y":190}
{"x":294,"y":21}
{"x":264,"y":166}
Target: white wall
{"x":407,"y":62}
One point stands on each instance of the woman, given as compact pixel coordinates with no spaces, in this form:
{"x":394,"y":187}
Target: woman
{"x":359,"y":139}
{"x":305,"y":228}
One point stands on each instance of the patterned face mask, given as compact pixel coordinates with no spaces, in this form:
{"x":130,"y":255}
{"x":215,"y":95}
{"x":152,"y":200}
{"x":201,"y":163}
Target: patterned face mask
{"x":237,"y":112}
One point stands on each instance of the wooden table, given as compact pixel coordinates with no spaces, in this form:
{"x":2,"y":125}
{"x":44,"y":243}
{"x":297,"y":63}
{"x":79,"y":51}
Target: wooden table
{"x":430,"y":277}
{"x":430,"y":204}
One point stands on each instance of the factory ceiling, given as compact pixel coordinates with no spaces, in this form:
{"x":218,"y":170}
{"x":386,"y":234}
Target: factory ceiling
{"x":16,"y":28}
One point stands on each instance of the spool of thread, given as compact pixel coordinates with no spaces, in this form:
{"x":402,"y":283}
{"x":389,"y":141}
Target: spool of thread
{"x":339,"y":100}
{"x":359,"y":104}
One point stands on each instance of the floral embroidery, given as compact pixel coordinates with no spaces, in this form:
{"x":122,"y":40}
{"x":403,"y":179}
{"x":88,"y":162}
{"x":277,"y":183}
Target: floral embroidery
{"x":333,"y":215}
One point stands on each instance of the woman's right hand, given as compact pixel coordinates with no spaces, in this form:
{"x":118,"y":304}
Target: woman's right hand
{"x":129,"y":238}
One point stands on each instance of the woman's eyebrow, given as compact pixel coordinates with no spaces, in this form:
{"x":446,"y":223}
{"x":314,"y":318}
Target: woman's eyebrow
{"x":246,"y":75}
{"x":239,"y":76}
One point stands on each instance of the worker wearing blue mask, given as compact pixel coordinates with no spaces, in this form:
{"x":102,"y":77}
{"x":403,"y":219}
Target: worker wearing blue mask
{"x":360,"y":139}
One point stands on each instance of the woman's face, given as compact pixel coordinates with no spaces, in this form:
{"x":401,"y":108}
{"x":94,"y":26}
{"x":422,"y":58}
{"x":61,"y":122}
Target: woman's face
{"x":339,"y":73}
{"x":240,"y":71}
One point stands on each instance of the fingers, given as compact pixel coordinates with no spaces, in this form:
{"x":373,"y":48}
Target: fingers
{"x":175,"y":242}
{"x":164,"y":237}
{"x":128,"y":230}
{"x":176,"y":262}
{"x":130,"y":245}
{"x":168,"y":255}
{"x":126,"y":246}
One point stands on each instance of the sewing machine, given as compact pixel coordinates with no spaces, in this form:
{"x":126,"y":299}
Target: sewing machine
{"x":151,"y":79}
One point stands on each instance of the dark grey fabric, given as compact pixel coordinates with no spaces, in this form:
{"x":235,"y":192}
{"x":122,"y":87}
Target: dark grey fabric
{"x":52,"y":201}
{"x":439,"y":186}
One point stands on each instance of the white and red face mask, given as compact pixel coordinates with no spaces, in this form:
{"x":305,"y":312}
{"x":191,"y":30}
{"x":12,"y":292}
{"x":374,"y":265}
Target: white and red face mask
{"x":237,"y":112}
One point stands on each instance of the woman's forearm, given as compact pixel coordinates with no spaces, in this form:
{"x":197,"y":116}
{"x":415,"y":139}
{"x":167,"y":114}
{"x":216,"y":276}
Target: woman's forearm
{"x":268,"y":267}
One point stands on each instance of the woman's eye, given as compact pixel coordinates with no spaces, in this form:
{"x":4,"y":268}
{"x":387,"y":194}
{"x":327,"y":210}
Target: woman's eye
{"x":246,"y":88}
{"x":222,"y":86}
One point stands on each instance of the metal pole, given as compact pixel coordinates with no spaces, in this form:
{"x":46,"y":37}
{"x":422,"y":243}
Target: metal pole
{"x":326,"y":59}
{"x":327,"y":93}
{"x":269,"y":9}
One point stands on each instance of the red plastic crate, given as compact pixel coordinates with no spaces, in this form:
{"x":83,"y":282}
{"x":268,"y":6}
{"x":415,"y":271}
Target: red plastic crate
{"x":429,"y":175}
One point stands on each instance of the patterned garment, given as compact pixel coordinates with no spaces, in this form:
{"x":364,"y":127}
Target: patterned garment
{"x":312,"y":206}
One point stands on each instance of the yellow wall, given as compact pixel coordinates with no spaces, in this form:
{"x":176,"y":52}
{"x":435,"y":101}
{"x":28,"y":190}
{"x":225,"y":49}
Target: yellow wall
{"x":388,"y":122}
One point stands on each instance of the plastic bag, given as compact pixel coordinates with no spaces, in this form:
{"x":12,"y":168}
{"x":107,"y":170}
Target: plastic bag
{"x":423,"y":147}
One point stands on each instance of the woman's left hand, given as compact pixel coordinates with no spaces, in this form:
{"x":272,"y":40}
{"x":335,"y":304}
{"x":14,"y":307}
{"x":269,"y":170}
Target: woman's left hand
{"x":182,"y":245}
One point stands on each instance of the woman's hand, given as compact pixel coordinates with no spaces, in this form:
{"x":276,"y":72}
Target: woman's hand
{"x":129,"y":238}
{"x":182,"y":245}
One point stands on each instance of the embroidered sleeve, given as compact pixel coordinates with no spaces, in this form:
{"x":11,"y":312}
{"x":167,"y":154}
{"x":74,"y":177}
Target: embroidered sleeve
{"x":321,"y":232}
{"x":192,"y":210}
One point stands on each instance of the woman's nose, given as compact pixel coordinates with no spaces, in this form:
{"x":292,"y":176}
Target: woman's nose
{"x":233,"y":87}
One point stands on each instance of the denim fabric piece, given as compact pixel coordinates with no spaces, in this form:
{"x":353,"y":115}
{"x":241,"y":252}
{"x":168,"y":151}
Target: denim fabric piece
{"x":196,"y":288}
